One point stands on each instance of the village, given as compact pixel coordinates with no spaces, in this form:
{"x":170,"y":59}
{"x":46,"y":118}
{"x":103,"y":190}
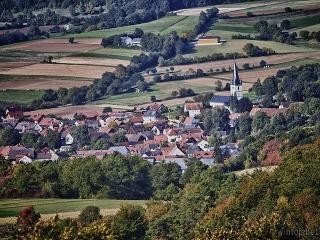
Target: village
{"x":145,"y":132}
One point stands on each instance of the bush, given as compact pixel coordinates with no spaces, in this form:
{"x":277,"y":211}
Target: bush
{"x":263,"y":63}
{"x":26,"y":220}
{"x":107,"y":109}
{"x":246,"y":66}
{"x":90,"y":214}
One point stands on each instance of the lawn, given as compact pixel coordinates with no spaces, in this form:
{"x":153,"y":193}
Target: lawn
{"x":20,"y":96}
{"x":12,"y":207}
{"x":162,"y":26}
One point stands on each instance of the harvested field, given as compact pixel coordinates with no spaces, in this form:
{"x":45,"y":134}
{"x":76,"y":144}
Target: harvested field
{"x":210,"y":82}
{"x":274,"y":59}
{"x":316,"y":56}
{"x":67,"y":112}
{"x":252,"y":76}
{"x":92,"y":61}
{"x":6,"y":66}
{"x":42,"y":84}
{"x":59,"y":45}
{"x":67,"y":70}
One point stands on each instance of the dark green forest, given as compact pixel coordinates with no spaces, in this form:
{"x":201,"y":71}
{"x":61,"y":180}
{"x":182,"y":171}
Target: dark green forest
{"x":18,"y":5}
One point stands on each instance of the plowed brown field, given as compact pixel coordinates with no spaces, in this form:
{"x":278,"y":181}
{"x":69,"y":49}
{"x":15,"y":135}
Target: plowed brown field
{"x":42,"y":84}
{"x":59,"y":45}
{"x":85,"y":71}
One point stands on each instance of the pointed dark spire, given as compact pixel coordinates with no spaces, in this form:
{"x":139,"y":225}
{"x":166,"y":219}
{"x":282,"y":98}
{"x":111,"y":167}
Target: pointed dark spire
{"x":235,"y":77}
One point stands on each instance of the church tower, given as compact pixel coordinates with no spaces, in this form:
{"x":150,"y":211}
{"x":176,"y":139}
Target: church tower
{"x":236,"y":83}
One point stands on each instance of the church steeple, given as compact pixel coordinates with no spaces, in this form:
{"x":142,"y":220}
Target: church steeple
{"x":235,"y":77}
{"x":236,"y":83}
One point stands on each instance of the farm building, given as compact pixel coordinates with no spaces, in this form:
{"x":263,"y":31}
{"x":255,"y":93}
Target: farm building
{"x":209,"y":40}
{"x":128,"y":41}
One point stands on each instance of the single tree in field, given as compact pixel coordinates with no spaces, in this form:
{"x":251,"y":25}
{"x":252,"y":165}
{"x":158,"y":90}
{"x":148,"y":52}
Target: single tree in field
{"x":263,"y":63}
{"x":153,"y":98}
{"x":174,"y":94}
{"x":71,"y":40}
{"x":50,"y":58}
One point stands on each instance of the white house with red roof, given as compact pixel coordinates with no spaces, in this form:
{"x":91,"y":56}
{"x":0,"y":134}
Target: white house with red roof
{"x":193,"y":109}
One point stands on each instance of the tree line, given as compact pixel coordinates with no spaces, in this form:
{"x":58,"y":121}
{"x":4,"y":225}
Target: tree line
{"x":267,"y":32}
{"x":114,"y":177}
{"x":296,"y":83}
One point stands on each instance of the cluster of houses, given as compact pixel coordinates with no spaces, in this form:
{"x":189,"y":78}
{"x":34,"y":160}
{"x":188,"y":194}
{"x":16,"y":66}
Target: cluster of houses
{"x":149,"y":133}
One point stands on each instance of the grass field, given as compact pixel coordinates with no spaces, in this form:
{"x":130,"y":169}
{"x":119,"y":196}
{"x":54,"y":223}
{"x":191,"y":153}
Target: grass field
{"x":312,"y":28}
{"x":12,"y":207}
{"x":160,"y":90}
{"x":237,"y":45}
{"x":161,"y":26}
{"x":20,"y":96}
{"x":112,"y":53}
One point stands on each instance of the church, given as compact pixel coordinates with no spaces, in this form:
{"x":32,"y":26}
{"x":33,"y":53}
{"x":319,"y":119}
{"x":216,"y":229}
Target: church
{"x":235,"y":90}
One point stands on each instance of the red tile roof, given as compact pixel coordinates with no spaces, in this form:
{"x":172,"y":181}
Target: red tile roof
{"x":155,"y":107}
{"x":171,"y":132}
{"x":160,"y":138}
{"x":194,"y":106}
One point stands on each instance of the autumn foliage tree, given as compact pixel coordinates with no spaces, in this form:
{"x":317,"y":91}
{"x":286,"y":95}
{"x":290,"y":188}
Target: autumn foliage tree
{"x":26,"y":219}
